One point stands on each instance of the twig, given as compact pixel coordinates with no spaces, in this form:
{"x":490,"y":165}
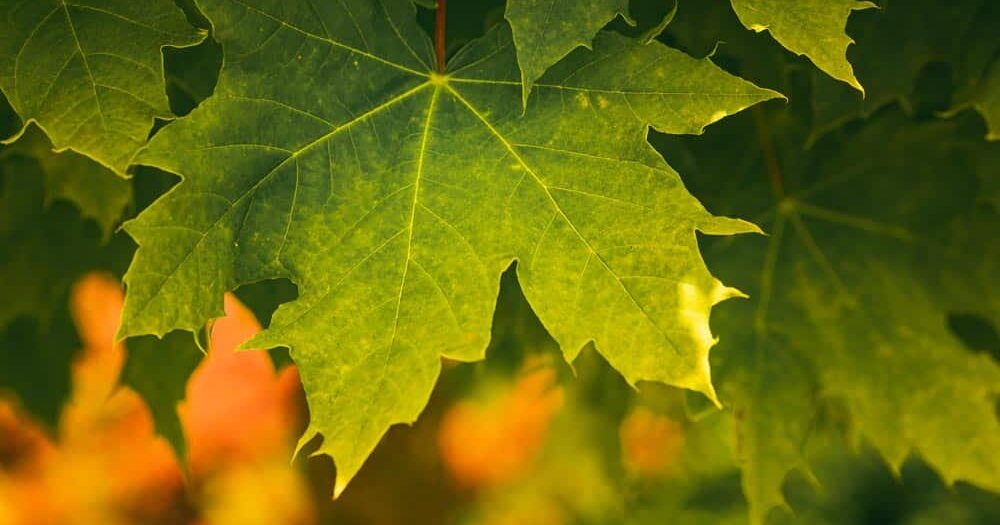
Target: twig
{"x":439,"y":27}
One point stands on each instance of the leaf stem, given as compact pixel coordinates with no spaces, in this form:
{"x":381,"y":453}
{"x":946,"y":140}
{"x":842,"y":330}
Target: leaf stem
{"x":770,"y":157}
{"x":439,"y":27}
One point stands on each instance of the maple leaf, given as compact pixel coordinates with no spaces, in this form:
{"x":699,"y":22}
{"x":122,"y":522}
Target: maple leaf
{"x":158,"y":370}
{"x":545,"y":31}
{"x":814,"y":28}
{"x":976,"y":68}
{"x":930,"y":32}
{"x":868,"y":254}
{"x":95,"y":190}
{"x":90,"y":72}
{"x":193,"y":403}
{"x":45,"y":245}
{"x":44,"y":248}
{"x":394,"y":197}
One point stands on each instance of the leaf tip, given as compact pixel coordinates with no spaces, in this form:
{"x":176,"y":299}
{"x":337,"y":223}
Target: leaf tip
{"x":339,"y":486}
{"x":718,"y":225}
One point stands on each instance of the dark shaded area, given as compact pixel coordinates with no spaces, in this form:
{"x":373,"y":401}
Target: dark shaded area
{"x":10,"y":123}
{"x":863,"y":491}
{"x":467,"y":20}
{"x":35,"y":359}
{"x":53,"y":246}
{"x":976,"y":333}
{"x":191,"y":74}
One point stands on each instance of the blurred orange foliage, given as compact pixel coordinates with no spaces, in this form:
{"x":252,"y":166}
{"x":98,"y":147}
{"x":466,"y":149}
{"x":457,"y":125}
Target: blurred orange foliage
{"x":485,"y":444}
{"x":108,"y":467}
{"x":651,"y":444}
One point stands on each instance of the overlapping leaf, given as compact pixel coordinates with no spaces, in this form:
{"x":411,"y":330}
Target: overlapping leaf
{"x":977,"y":68}
{"x":42,"y":250}
{"x":894,"y":44}
{"x":395,"y":197}
{"x":878,"y":240}
{"x":45,"y":245}
{"x":545,"y":31}
{"x":814,"y":28}
{"x":159,"y":370}
{"x":95,"y":190}
{"x":90,"y":72}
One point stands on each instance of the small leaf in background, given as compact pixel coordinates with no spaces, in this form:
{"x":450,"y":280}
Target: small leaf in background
{"x":158,"y":370}
{"x":96,"y":191}
{"x":111,"y":483}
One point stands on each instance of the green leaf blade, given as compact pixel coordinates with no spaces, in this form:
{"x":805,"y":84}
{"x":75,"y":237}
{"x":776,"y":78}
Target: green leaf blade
{"x":814,"y":28}
{"x":98,"y":192}
{"x":90,"y":73}
{"x":395,"y":207}
{"x":159,"y":370}
{"x":545,"y":31}
{"x":868,"y":256}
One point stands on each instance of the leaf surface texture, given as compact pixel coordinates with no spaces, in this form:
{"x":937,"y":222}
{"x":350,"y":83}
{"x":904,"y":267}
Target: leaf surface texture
{"x":90,"y":72}
{"x":395,"y":197}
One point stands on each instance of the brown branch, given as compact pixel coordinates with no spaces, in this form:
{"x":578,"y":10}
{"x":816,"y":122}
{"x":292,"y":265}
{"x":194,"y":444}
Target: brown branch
{"x":439,"y":27}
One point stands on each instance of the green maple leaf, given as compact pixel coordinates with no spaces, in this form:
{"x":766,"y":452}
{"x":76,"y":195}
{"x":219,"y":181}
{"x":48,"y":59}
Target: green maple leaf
{"x":814,"y":28}
{"x":96,"y":191}
{"x":394,"y":197}
{"x":159,"y":370}
{"x":876,"y":242}
{"x":90,"y":73}
{"x":43,"y":250}
{"x":894,"y":44}
{"x":545,"y":31}
{"x":35,"y":363}
{"x":985,"y":98}
{"x":977,"y":69}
